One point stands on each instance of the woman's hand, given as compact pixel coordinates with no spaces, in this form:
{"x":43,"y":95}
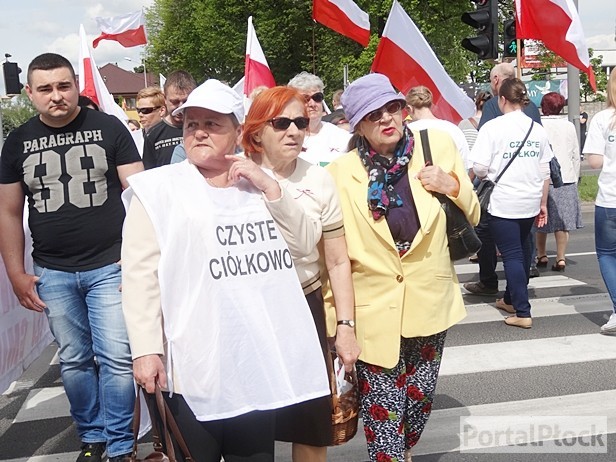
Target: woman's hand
{"x":148,"y":370}
{"x":542,"y":218}
{"x":245,"y":168}
{"x":434,"y":179}
{"x":347,"y":348}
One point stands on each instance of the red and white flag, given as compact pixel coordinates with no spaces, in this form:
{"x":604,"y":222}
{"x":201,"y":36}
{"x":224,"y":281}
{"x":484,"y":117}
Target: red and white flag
{"x":344,"y":17}
{"x":256,"y":71}
{"x":91,"y":83}
{"x":128,"y":29}
{"x":557,"y":24}
{"x":405,"y":57}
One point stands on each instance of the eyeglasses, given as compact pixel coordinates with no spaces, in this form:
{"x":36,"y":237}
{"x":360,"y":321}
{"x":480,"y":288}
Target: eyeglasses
{"x":147,"y":110}
{"x":392,"y":107}
{"x":317,"y":97}
{"x":282,"y":123}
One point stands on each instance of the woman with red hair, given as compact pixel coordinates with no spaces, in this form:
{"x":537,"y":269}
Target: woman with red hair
{"x":564,"y":212}
{"x":274,"y":132}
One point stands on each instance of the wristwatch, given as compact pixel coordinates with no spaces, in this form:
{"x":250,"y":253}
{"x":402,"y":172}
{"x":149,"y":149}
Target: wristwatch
{"x":346,"y":322}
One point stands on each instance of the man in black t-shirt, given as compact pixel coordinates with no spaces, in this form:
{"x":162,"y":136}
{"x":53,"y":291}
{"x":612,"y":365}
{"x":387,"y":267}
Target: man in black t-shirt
{"x":71,"y":164}
{"x":162,"y":138}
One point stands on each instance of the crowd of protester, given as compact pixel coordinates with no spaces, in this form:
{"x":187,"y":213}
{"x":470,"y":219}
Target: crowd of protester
{"x":251,"y":240}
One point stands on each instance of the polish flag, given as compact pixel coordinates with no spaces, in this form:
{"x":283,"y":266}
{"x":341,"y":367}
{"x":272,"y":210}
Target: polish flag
{"x":256,"y":72}
{"x":557,"y":24}
{"x":128,"y":29}
{"x":344,"y":17}
{"x":91,"y":84}
{"x":405,"y":57}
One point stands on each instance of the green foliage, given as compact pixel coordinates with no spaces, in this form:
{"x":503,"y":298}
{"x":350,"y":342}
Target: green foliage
{"x":600,"y":78}
{"x":208,"y":38}
{"x":588,"y":187}
{"x":16,"y":111}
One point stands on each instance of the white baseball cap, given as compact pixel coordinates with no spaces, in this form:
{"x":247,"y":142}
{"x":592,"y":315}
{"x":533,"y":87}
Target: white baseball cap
{"x":215,"y":96}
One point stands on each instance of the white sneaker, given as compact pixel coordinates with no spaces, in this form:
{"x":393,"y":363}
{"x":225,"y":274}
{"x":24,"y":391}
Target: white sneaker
{"x":610,"y":326}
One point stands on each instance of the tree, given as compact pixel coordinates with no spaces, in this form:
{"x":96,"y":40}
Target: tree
{"x":600,"y":78}
{"x":208,"y":38}
{"x":15,"y":112}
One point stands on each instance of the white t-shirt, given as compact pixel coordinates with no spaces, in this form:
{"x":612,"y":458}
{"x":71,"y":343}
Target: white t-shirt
{"x":518,"y":192}
{"x":323,"y":147}
{"x":469,"y":130}
{"x":456,"y":134}
{"x":601,"y":139}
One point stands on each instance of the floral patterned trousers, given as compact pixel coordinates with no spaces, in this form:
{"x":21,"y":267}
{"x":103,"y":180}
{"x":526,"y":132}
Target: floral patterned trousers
{"x":396,"y":403}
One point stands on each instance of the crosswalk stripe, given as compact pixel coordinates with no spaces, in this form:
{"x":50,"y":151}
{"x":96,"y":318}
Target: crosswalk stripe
{"x":442,"y":432}
{"x":542,"y":307}
{"x":543,"y":282}
{"x":468,"y":359}
{"x":472,"y":268}
{"x":44,"y":403}
{"x":143,"y":450}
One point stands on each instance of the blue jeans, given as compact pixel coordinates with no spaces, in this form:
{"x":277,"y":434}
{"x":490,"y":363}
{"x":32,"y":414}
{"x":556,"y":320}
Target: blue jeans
{"x":605,"y":244}
{"x":511,"y":237}
{"x":487,"y":253}
{"x":84,"y":310}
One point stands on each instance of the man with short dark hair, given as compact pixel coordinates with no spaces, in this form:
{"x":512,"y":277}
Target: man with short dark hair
{"x":163,"y":137}
{"x":72,"y":163}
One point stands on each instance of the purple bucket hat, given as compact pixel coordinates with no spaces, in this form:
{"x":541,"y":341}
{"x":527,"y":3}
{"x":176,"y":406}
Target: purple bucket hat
{"x":366,"y":94}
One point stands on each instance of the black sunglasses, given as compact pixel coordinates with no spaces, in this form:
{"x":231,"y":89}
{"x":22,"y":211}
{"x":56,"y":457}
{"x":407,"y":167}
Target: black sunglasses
{"x":282,"y":123}
{"x":317,"y":97}
{"x":147,"y":110}
{"x":392,"y":107}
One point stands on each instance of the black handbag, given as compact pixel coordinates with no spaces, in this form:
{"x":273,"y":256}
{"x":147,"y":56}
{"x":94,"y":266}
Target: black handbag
{"x":555,"y":176}
{"x":485,"y":188}
{"x":461,"y":235}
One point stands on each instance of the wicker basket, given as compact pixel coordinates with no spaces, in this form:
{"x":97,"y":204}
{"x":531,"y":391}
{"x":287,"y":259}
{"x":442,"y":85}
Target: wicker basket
{"x":345,"y":409}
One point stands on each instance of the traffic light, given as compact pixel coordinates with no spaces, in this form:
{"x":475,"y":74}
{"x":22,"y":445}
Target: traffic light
{"x":510,"y":48}
{"x":12,"y":85}
{"x":485,"y":20}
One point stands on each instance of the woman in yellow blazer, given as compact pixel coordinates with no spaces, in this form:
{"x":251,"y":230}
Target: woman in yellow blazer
{"x":406,"y":291}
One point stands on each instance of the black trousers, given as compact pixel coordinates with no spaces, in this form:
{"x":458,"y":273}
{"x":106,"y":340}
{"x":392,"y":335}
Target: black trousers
{"x":245,"y":438}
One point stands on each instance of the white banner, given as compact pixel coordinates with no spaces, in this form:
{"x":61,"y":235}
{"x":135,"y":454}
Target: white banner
{"x":24,"y":334}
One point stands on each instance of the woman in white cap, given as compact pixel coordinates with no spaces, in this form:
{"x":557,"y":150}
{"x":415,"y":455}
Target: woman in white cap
{"x":406,"y":291}
{"x":215,"y":313}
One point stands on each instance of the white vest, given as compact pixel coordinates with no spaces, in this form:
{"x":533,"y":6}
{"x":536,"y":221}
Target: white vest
{"x":239,"y":331}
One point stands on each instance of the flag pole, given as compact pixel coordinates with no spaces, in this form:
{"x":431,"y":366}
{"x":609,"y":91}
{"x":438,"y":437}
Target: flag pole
{"x":314,"y":49}
{"x":518,"y":58}
{"x":573,"y":92}
{"x":145,"y":74}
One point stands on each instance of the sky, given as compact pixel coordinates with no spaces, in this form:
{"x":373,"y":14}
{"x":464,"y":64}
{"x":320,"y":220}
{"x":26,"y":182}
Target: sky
{"x":32,"y":27}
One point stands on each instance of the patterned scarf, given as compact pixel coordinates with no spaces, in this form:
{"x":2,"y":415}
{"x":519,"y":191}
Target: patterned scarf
{"x":383,"y":173}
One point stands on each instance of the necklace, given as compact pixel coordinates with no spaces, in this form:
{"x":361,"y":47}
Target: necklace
{"x":214,"y":185}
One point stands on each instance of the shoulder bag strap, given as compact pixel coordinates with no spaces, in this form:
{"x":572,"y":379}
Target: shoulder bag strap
{"x":425,"y":145}
{"x":532,"y":123}
{"x":427,"y":153}
{"x":170,"y":427}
